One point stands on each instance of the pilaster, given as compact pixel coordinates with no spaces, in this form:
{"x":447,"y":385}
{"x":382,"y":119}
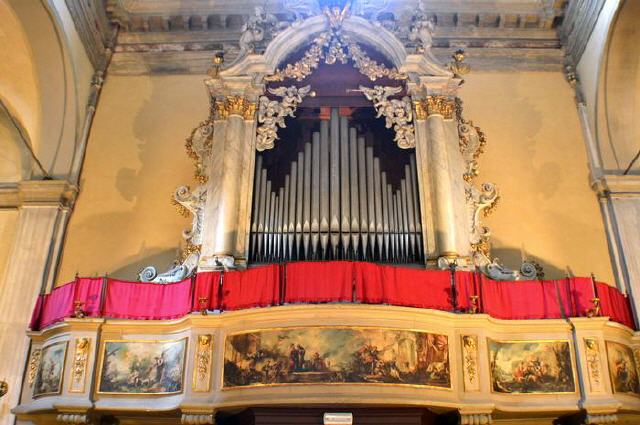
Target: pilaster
{"x":43,"y":206}
{"x":620,"y":200}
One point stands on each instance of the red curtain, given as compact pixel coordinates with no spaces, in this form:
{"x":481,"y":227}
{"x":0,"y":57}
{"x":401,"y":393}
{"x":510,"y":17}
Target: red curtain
{"x":147,"y":301}
{"x":532,"y":299}
{"x":89,"y":291}
{"x":467,"y":285}
{"x":318,"y":282}
{"x":57,"y":305}
{"x":615,"y":305}
{"x":60,"y":303}
{"x":403,"y":286}
{"x":256,"y":287}
{"x":208,"y":286}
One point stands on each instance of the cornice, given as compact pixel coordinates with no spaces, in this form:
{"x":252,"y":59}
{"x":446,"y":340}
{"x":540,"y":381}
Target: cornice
{"x":31,"y":193}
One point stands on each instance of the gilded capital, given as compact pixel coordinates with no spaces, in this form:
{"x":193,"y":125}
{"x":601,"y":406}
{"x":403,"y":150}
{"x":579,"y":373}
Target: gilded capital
{"x":434,"y":105}
{"x":234,"y":105}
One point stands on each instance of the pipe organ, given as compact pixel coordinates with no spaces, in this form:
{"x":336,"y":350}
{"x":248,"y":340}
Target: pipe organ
{"x":339,"y":199}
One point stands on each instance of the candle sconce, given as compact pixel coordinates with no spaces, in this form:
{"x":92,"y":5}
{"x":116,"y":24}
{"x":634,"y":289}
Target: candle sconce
{"x":202,"y":302}
{"x":473,"y":299}
{"x":78,"y":313}
{"x":595,"y":311}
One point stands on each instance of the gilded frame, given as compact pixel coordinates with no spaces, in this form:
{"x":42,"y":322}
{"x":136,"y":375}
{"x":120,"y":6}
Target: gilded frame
{"x":301,"y":384}
{"x":64,"y":343}
{"x":103,"y":345}
{"x":512,"y":341}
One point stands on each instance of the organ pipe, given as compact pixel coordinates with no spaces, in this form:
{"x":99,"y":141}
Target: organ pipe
{"x":336,"y":202}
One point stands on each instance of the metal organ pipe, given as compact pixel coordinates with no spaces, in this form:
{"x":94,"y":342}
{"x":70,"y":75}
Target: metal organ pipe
{"x":336,"y":202}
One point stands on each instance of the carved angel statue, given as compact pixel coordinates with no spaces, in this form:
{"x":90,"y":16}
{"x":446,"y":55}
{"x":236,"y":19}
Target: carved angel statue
{"x":301,"y":9}
{"x":256,"y":29}
{"x":398,"y":113}
{"x":422,"y":30}
{"x":272,"y":113}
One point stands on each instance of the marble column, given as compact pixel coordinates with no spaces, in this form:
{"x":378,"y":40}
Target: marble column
{"x":43,"y":207}
{"x":620,"y":201}
{"x":231,"y":170}
{"x":437,"y":149}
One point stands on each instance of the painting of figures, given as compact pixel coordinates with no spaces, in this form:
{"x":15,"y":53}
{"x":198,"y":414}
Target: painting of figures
{"x":142,"y":367}
{"x":622,"y":368}
{"x":336,"y":355}
{"x":531,"y":367}
{"x":49,"y":376}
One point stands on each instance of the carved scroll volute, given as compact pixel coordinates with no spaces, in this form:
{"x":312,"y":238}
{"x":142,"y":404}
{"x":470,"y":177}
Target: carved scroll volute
{"x":79,"y":369}
{"x":470,"y":362}
{"x":594,"y":364}
{"x":202,"y":363}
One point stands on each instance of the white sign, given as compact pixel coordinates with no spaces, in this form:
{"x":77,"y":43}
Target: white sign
{"x":338,"y":418}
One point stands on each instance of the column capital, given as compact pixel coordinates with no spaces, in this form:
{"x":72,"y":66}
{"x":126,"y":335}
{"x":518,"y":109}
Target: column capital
{"x":234,"y":105}
{"x":617,"y":185}
{"x":31,"y":193}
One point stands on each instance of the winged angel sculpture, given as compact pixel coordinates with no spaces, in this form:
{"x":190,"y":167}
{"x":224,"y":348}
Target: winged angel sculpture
{"x":272,"y":113}
{"x":397,"y":112}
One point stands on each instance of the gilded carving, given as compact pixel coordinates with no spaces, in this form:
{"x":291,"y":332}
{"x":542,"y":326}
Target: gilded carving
{"x":398,"y":113}
{"x":470,"y":360}
{"x":198,"y":146}
{"x":234,"y":105}
{"x":440,"y":105}
{"x":202,"y":369}
{"x":79,"y":364}
{"x":34,"y":362}
{"x":272,"y":113}
{"x":334,"y":46}
{"x":592,"y":354}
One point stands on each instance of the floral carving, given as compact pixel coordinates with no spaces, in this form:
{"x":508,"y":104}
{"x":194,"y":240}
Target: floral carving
{"x":34,"y":363}
{"x":592,"y":354}
{"x":198,"y":146}
{"x":470,"y":358}
{"x":80,"y":363}
{"x":398,"y":113}
{"x":272,"y":113}
{"x":203,"y":363}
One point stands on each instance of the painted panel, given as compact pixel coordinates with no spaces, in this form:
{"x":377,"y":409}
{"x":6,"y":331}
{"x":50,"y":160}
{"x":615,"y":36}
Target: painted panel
{"x":51,"y":369}
{"x":622,"y":368}
{"x":336,"y":355}
{"x":531,"y":367}
{"x":142,"y":367}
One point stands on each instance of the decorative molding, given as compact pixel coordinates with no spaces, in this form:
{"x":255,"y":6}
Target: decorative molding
{"x":187,"y":202}
{"x":470,"y":362}
{"x":618,"y":185}
{"x":74,"y":418}
{"x":475,"y":418}
{"x":34,"y":363}
{"x":198,"y":419}
{"x":78,"y":370}
{"x":578,"y":24}
{"x":94,"y":29}
{"x":38,"y":193}
{"x":272,"y":113}
{"x":202,"y":367}
{"x":440,"y":105}
{"x":471,"y":141}
{"x":594,"y":366}
{"x":234,"y":105}
{"x":600,"y":418}
{"x":398,"y":113}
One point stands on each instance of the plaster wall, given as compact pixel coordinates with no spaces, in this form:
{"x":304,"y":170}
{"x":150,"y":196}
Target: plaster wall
{"x":536,"y":155}
{"x":124,"y":220}
{"x":8,"y":225}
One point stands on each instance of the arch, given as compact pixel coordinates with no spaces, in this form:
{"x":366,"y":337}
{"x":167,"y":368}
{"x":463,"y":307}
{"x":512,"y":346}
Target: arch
{"x":15,"y":159}
{"x":619,"y":92}
{"x":44,"y":78}
{"x":301,"y":34}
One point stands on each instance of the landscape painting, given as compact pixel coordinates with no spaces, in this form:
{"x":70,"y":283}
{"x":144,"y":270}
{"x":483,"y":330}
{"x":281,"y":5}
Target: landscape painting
{"x":142,"y":367}
{"x":49,"y":376}
{"x":622,"y":368}
{"x":531,"y":367}
{"x":336,"y":355}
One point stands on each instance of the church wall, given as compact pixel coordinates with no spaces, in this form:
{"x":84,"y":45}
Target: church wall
{"x":536,"y":155}
{"x":8,"y":226}
{"x":123,"y":219}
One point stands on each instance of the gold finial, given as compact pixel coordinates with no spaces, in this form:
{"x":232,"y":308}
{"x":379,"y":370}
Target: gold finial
{"x":457,"y":66}
{"x":217,"y":61}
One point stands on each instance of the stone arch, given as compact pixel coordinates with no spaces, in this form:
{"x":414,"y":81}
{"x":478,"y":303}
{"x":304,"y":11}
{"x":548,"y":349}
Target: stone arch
{"x":363,"y":31}
{"x":15,"y":159}
{"x":619,"y":92}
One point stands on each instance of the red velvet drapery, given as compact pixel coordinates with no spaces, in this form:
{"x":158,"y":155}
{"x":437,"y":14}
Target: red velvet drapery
{"x":333,"y":281}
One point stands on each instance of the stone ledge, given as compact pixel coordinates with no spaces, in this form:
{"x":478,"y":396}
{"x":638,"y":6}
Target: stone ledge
{"x":38,"y":193}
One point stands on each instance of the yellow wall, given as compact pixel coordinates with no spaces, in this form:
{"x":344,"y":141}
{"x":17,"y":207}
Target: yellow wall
{"x":536,"y":155}
{"x":123,"y":219}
